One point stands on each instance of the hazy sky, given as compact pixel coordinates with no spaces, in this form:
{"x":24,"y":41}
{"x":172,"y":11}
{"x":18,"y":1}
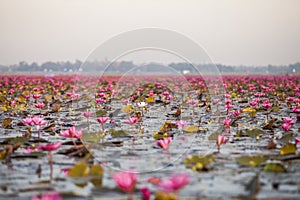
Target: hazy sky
{"x":258,"y":32}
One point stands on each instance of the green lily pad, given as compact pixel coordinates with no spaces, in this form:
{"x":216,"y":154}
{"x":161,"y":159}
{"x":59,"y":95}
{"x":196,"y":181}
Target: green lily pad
{"x":117,"y":133}
{"x":288,"y":149}
{"x":251,"y":160}
{"x":254,"y":132}
{"x":101,"y":113}
{"x":198,"y":162}
{"x":191,"y":129}
{"x":274,"y":167}
{"x":91,"y":137}
{"x":79,"y":170}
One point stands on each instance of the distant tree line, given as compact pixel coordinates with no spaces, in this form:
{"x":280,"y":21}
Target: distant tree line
{"x":125,"y":66}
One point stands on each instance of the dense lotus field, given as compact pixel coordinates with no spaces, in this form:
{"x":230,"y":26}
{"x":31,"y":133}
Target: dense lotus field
{"x":146,"y":137}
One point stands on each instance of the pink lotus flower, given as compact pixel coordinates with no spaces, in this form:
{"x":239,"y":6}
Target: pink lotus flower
{"x":286,"y":126}
{"x":132,"y":120}
{"x":38,"y":121}
{"x":174,"y":183}
{"x":288,"y":120}
{"x":228,"y":106}
{"x":126,"y":180}
{"x":289,"y":99}
{"x":236,"y":113}
{"x":226,"y":95}
{"x":164,"y":143}
{"x":49,"y":196}
{"x":266,"y":104}
{"x":181,"y":124}
{"x":39,"y":105}
{"x":102,"y":120}
{"x":216,"y":101}
{"x":297,"y":140}
{"x":228,"y":101}
{"x":253,"y":103}
{"x":28,"y":121}
{"x":226,"y":122}
{"x":49,"y":147}
{"x":145,"y":193}
{"x":72,"y":133}
{"x":192,"y":102}
{"x":221,"y":140}
{"x":36,"y":96}
{"x":296,"y":110}
{"x":87,"y":114}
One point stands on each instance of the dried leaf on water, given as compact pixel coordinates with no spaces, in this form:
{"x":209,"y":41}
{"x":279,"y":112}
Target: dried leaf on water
{"x":7,"y":123}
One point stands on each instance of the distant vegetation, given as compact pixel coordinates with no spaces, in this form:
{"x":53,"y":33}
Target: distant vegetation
{"x":124,"y":66}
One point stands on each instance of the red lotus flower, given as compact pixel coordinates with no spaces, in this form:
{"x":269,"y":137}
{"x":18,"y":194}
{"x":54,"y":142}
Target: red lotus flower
{"x":286,"y":126}
{"x":221,"y":140}
{"x":72,"y":133}
{"x":164,"y":143}
{"x":28,"y":121}
{"x":48,"y":196}
{"x":145,"y":193}
{"x":226,"y":122}
{"x":174,"y":183}
{"x":102,"y":120}
{"x":49,"y":147}
{"x":288,"y":120}
{"x":266,"y":104}
{"x":132,"y":120}
{"x":125,"y":180}
{"x":181,"y":124}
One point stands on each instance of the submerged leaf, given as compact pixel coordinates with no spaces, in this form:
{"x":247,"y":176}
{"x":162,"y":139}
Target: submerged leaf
{"x":251,"y":160}
{"x":288,"y":149}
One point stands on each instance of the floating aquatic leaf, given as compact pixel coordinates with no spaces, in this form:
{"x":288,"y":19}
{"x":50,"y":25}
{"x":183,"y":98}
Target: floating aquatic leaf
{"x":3,"y":153}
{"x":15,"y":140}
{"x":160,"y":135}
{"x":91,"y":137}
{"x":150,"y":99}
{"x":269,"y":125}
{"x":165,"y":196}
{"x":275,"y":109}
{"x":198,"y":162}
{"x":79,"y":170}
{"x":274,"y":167}
{"x":288,"y":149}
{"x":117,"y":133}
{"x":7,"y":123}
{"x":286,"y":138}
{"x":191,"y":129}
{"x":56,"y":107}
{"x":254,"y":132}
{"x":49,"y":128}
{"x":127,"y":108}
{"x":101,"y":113}
{"x":251,"y":160}
{"x":21,"y":99}
{"x":96,"y":174}
{"x":167,"y":126}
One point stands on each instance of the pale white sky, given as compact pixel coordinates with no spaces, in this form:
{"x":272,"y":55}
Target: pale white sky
{"x":258,"y":32}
